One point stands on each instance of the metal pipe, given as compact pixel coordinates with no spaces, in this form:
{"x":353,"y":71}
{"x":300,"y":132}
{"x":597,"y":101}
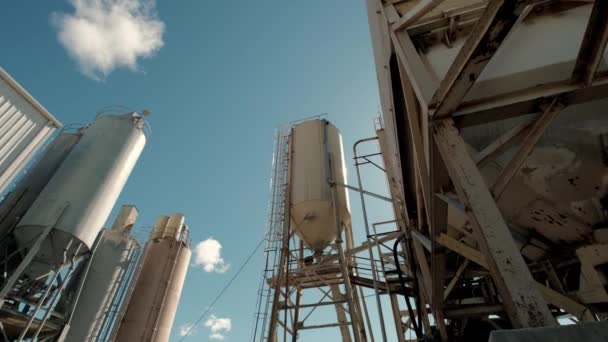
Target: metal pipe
{"x":345,"y":272}
{"x":350,"y":187}
{"x":136,"y":266}
{"x":404,"y":293}
{"x":120,"y":297}
{"x":81,"y":285}
{"x":367,"y":232}
{"x":57,"y":293}
{"x":29,"y":256}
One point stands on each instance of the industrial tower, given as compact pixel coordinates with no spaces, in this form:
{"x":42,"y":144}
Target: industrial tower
{"x":493,"y":139}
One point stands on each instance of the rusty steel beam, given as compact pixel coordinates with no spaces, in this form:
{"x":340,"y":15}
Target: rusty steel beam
{"x":527,"y":101}
{"x":593,"y":45}
{"x":551,"y":296}
{"x":488,"y":34}
{"x":439,"y":225}
{"x":415,"y":13}
{"x":527,"y":146}
{"x":522,"y":301}
{"x":502,"y":143}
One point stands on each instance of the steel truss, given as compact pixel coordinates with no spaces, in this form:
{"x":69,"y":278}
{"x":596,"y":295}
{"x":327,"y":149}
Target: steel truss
{"x":435,"y":180}
{"x":37,"y":309}
{"x":41,"y":309}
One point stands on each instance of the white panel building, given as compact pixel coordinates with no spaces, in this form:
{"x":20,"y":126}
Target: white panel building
{"x":25,"y":125}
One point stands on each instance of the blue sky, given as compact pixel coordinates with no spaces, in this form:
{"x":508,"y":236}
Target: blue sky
{"x":228,"y":73}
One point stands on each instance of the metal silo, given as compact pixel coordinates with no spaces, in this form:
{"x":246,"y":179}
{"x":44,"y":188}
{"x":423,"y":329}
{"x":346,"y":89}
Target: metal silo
{"x":18,"y":201}
{"x":151,"y":309}
{"x":79,"y":197}
{"x":106,"y":282}
{"x":316,"y":159}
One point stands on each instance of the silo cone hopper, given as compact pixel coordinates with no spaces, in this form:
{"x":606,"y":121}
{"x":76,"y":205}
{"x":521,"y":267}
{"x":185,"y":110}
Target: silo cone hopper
{"x":319,"y":210}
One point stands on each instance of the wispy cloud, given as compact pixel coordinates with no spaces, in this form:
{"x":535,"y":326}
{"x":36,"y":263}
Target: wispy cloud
{"x":102,"y":35}
{"x":219,"y":327}
{"x":187,"y":330}
{"x":208,"y":255}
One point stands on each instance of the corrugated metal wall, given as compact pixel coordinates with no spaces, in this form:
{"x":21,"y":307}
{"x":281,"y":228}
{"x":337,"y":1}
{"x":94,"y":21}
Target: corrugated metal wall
{"x":24,"y":128}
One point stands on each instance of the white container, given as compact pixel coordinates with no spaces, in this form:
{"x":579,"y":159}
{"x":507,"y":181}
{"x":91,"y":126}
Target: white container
{"x":20,"y":198}
{"x":316,"y":145}
{"x":107,"y":274}
{"x":89,"y":181}
{"x":25,"y":126}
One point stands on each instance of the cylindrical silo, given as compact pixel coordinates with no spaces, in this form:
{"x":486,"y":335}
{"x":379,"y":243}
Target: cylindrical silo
{"x":317,"y":158}
{"x":108,"y":271}
{"x":89,"y":180}
{"x":18,"y":201}
{"x":151,"y":309}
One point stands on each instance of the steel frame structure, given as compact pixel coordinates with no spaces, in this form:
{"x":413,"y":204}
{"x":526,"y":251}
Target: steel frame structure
{"x":41,"y":309}
{"x":384,"y":281}
{"x":37,"y":309}
{"x":435,"y":179}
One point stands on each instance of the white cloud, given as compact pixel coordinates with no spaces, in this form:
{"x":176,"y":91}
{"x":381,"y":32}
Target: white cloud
{"x":208,"y":255}
{"x":218,"y":326}
{"x":216,"y":336}
{"x":187,"y":330}
{"x":102,"y":35}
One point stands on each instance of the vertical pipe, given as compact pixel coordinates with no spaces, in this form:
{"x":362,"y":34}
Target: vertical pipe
{"x":57,"y":293}
{"x":46,"y":292}
{"x":402,"y":283}
{"x":367,"y":232}
{"x":83,"y":277}
{"x":29,"y":256}
{"x":345,"y":272}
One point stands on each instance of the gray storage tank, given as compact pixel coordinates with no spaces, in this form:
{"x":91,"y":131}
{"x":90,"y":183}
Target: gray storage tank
{"x":106,"y":280}
{"x":18,"y":201}
{"x":89,"y":182}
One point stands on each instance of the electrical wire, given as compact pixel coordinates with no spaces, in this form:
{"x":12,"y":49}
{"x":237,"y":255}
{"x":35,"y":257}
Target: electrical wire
{"x":200,"y":319}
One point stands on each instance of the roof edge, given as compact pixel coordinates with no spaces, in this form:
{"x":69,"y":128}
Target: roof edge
{"x":15,"y":85}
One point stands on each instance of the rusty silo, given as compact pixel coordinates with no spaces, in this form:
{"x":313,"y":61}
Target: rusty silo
{"x":156,"y":291}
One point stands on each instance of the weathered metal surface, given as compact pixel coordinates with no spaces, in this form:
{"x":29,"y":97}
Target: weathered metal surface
{"x":499,"y":64}
{"x":25,"y":126}
{"x":593,"y":279}
{"x":523,"y":303}
{"x":318,"y":159}
{"x":487,"y":36}
{"x":156,"y":291}
{"x":594,"y":43}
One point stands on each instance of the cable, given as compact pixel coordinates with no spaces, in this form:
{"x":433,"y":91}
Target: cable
{"x":200,"y":319}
